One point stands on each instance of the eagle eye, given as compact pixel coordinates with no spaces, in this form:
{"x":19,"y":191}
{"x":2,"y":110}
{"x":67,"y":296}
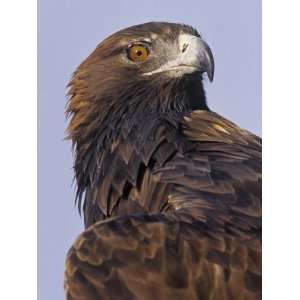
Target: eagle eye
{"x":137,"y":53}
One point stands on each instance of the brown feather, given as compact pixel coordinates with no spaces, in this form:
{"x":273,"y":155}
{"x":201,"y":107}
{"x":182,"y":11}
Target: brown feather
{"x":171,"y":191}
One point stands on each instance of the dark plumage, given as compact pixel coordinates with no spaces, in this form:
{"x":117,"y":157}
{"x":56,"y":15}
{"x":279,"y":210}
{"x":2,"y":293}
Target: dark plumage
{"x":170,"y":191}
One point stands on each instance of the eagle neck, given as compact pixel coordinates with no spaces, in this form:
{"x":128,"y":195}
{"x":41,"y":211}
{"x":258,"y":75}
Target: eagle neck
{"x":121,"y":114}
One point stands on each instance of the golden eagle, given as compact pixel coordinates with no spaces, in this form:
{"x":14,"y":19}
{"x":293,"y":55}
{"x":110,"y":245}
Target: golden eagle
{"x":170,"y":191}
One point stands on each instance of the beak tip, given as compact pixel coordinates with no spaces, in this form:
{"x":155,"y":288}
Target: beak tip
{"x":208,"y":61}
{"x":210,"y":75}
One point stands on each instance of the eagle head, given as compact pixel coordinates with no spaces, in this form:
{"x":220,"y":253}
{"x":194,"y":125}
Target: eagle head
{"x":156,"y":65}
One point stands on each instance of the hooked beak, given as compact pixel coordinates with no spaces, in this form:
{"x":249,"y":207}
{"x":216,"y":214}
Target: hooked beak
{"x":195,"y":56}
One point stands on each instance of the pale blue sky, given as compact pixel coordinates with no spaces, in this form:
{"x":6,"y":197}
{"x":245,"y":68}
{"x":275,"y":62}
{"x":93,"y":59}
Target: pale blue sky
{"x":68,"y":30}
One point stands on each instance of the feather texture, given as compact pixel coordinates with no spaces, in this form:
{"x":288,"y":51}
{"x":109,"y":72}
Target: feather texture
{"x":202,"y":188}
{"x":170,"y":191}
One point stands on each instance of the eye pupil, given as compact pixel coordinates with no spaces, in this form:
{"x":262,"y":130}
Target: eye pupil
{"x":138,"y":53}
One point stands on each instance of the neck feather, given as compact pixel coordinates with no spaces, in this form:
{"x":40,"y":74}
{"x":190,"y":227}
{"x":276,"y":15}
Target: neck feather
{"x":98,"y":120}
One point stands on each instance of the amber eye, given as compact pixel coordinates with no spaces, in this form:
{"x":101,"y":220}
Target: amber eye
{"x":138,"y":53}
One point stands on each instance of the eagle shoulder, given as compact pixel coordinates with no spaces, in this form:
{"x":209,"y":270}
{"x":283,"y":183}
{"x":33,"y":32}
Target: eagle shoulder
{"x":152,"y":257}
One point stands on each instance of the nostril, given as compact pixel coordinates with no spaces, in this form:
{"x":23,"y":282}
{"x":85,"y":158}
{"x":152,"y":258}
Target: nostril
{"x":184,"y":47}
